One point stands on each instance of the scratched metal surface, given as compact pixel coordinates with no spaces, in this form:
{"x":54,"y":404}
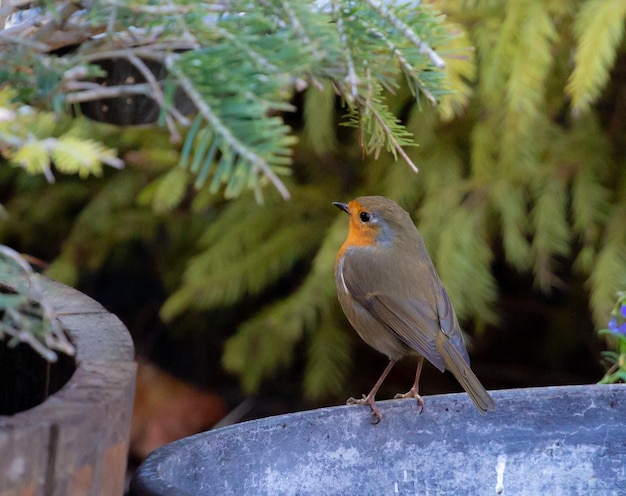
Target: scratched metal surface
{"x":554,"y":440}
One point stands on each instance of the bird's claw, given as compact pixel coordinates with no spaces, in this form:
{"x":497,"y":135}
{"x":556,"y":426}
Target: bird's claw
{"x":353,"y":401}
{"x":366,"y":400}
{"x":412,"y":393}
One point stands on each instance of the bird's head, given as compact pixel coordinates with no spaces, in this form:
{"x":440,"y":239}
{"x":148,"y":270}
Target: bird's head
{"x":374,"y":220}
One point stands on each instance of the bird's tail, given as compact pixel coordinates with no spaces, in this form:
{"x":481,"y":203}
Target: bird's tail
{"x":456,"y":364}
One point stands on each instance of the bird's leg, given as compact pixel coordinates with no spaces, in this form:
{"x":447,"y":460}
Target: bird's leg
{"x":370,"y":398}
{"x":413,"y":392}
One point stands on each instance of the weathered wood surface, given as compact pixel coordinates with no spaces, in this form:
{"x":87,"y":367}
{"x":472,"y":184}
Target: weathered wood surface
{"x":566,"y":440}
{"x":75,"y":443}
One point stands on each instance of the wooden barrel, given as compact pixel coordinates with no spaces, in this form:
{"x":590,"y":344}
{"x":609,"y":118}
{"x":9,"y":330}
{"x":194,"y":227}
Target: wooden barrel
{"x":75,"y":443}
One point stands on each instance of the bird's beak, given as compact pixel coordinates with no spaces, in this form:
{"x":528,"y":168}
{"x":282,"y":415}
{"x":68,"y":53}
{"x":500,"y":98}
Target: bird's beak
{"x":342,"y":206}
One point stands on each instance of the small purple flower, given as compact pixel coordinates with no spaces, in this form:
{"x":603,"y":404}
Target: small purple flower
{"x":616,"y":328}
{"x":623,"y":310}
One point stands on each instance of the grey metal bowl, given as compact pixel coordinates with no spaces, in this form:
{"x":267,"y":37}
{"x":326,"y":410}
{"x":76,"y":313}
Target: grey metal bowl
{"x":553,"y":440}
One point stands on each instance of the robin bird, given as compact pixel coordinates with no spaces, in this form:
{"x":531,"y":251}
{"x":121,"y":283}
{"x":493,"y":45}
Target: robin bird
{"x":391,"y":294}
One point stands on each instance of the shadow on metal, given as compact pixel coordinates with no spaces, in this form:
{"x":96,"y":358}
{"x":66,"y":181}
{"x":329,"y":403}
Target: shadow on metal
{"x":549,"y":440}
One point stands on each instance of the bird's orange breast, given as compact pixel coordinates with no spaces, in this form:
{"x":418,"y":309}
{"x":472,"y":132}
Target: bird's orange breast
{"x":358,"y":235}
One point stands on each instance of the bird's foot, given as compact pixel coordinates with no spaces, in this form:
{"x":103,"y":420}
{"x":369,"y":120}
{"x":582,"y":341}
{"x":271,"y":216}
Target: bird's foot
{"x":412,"y":393}
{"x":353,"y":401}
{"x":367,"y":400}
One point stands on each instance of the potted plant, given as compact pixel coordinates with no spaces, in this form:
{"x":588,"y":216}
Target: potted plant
{"x":67,"y":382}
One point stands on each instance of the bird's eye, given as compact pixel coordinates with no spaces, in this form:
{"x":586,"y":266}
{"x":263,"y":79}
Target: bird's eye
{"x":365,"y":217}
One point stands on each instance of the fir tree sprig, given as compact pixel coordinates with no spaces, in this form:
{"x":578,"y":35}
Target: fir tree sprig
{"x":386,"y":13}
{"x":37,"y":142}
{"x":599,"y":29}
{"x":238,"y":63}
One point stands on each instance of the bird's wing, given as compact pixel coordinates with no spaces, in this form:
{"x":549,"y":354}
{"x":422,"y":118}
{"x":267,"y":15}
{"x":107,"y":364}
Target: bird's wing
{"x":449,"y":324}
{"x":411,"y":319}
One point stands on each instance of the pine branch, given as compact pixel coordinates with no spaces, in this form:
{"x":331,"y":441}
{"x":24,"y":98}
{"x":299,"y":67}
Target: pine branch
{"x":25,"y":136}
{"x":384,"y":12}
{"x":89,"y":92}
{"x":599,"y":29}
{"x":467,"y":278}
{"x":588,"y":151}
{"x":375,"y":29}
{"x":551,"y":231}
{"x":608,"y":274}
{"x":165,"y":10}
{"x":254,"y":357}
{"x":409,"y":70}
{"x":109,"y":219}
{"x":394,"y":143}
{"x":512,"y":205}
{"x":167,"y":192}
{"x":259,"y":164}
{"x":239,"y":66}
{"x":441,"y":179}
{"x":328,"y":360}
{"x":525,"y":88}
{"x":379,"y":126}
{"x":352,"y":79}
{"x":243,"y":252}
{"x":460,"y":74}
{"x":288,"y":321}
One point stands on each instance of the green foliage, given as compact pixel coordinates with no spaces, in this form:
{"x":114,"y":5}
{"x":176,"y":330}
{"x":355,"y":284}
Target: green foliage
{"x":608,"y":274}
{"x":460,"y":71}
{"x":380,"y":129}
{"x":545,"y":175}
{"x":616,"y":360}
{"x":551,"y":232}
{"x":599,"y":30}
{"x":519,"y":162}
{"x":468,"y":278}
{"x":328,"y":361}
{"x":36,"y":140}
{"x":167,"y":192}
{"x":235,"y":68}
{"x":520,"y":175}
{"x":244,"y":251}
{"x":105,"y":222}
{"x":307,"y":311}
{"x":26,"y":316}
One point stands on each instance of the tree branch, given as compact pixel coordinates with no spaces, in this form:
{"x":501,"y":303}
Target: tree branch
{"x":106,"y":92}
{"x":384,"y":12}
{"x":352,"y":79}
{"x":257,"y":162}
